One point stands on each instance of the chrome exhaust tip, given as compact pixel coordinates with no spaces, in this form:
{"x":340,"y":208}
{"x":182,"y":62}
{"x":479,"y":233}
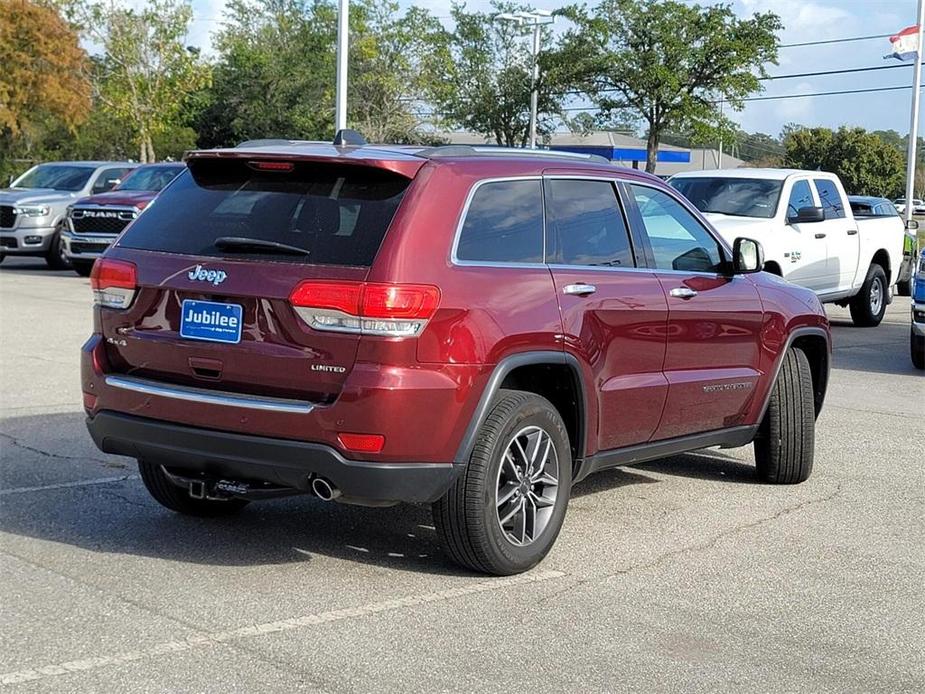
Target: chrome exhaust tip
{"x":324,"y":490}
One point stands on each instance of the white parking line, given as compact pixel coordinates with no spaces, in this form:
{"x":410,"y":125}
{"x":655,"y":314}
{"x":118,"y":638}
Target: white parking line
{"x":210,"y":639}
{"x":67,"y":485}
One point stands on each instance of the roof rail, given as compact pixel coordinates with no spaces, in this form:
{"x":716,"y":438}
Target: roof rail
{"x":443,"y":151}
{"x":276,"y":142}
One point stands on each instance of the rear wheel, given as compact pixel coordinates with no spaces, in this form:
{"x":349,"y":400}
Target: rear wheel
{"x":55,"y":257}
{"x":917,"y":349}
{"x":166,"y":493}
{"x":904,"y":288}
{"x":785,"y":441}
{"x":869,"y":304}
{"x":503,"y":514}
{"x":82,"y":267}
{"x":2,"y":257}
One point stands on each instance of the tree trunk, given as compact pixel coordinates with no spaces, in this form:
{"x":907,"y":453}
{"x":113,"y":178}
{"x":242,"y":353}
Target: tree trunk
{"x":651,"y":150}
{"x":142,"y":150}
{"x":151,"y":157}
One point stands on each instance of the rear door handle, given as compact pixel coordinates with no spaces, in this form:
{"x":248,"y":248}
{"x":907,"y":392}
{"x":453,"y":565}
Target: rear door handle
{"x":579,"y":289}
{"x":852,"y":232}
{"x":821,"y":236}
{"x":683,"y":293}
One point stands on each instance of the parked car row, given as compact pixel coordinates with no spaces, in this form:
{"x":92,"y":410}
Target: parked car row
{"x":69,"y":212}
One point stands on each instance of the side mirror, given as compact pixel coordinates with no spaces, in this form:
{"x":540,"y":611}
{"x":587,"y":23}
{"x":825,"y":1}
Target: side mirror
{"x":807,"y":215}
{"x":912,"y":225}
{"x":747,"y":256}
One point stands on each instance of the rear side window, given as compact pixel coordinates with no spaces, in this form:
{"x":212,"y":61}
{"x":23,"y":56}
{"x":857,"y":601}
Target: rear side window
{"x":800,"y":196}
{"x":586,"y":224}
{"x":504,"y":223}
{"x":338,"y":214}
{"x":831,"y":200}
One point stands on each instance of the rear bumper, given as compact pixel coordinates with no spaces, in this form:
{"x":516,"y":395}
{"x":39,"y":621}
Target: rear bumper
{"x":279,"y":461}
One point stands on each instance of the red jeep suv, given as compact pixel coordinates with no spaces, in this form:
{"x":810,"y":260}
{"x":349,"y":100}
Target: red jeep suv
{"x":475,"y":328}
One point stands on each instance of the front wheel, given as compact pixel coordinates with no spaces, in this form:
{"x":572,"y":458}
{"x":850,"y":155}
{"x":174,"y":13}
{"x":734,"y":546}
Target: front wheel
{"x":917,"y":350}
{"x":504,"y":512}
{"x":869,"y":304}
{"x":82,"y":267}
{"x":55,"y":257}
{"x":786,"y":438}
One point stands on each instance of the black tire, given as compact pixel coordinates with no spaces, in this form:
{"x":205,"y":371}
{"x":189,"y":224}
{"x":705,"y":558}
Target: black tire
{"x":904,"y":288}
{"x":82,"y":267}
{"x":786,"y":438}
{"x":866,"y":312}
{"x":917,"y":350}
{"x":467,"y":516}
{"x":54,"y":257}
{"x":167,"y":494}
{"x":2,"y":257}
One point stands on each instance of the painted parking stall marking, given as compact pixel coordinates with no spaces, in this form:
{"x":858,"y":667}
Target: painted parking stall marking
{"x":209,"y":639}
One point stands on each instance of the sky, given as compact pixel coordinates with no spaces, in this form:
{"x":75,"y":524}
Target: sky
{"x":804,"y":20}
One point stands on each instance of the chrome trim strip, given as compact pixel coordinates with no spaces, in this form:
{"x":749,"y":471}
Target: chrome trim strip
{"x":208,"y":397}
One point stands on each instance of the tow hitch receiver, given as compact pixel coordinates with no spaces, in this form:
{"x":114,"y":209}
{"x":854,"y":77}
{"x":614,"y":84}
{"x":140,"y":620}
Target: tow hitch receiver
{"x":223,"y":490}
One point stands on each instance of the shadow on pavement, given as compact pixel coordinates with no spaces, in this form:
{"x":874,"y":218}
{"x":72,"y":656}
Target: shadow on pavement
{"x":121,"y":518}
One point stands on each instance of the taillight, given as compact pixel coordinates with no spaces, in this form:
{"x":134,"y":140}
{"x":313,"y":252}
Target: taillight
{"x":113,"y":283}
{"x":367,"y":308}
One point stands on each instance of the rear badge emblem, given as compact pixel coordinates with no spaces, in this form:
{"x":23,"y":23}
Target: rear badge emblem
{"x":200,"y":274}
{"x":328,"y":368}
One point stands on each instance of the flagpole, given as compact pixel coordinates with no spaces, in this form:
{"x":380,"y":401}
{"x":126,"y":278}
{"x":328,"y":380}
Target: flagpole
{"x":914,"y":118}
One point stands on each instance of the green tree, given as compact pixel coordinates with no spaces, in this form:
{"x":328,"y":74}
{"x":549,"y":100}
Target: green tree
{"x":146,"y":73}
{"x":670,"y":62}
{"x":486,"y":78}
{"x":43,"y":83}
{"x":865,"y":163}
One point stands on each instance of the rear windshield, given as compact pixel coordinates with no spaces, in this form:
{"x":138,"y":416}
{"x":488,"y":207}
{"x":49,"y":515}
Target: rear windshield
{"x":337,"y":214}
{"x":740,"y":197}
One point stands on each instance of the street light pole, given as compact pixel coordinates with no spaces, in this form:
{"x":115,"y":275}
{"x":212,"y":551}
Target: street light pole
{"x":343,"y":33}
{"x":535,"y":19}
{"x":534,"y":96}
{"x":914,"y":117}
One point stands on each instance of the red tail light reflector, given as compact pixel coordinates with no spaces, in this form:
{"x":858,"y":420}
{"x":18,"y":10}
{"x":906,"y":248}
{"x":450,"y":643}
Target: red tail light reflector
{"x":368,"y":308}
{"x":362,"y":443}
{"x":113,"y":283}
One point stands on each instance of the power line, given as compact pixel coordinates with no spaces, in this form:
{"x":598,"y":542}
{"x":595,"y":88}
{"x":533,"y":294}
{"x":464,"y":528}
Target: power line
{"x":844,"y":71}
{"x":842,"y":40}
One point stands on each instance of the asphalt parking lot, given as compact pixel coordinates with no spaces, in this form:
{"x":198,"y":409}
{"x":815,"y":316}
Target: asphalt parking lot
{"x":678,"y":575}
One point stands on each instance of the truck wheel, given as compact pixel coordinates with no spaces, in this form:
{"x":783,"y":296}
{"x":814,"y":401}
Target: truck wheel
{"x":504,"y":512}
{"x":166,"y":493}
{"x":785,"y":440}
{"x":917,"y":349}
{"x":82,"y":267}
{"x":2,"y":257}
{"x":869,"y":304}
{"x":904,"y":288}
{"x":54,"y":256}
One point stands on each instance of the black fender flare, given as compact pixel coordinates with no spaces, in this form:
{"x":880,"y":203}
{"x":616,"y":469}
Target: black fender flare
{"x":806,"y":331}
{"x":498,"y":374}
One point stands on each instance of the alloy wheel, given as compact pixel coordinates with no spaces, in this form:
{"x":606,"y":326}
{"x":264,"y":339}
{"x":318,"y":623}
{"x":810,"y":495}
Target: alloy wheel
{"x":527,"y":485}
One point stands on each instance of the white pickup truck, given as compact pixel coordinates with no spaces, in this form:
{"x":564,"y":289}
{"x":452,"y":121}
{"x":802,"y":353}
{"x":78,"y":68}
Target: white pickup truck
{"x":809,"y":234}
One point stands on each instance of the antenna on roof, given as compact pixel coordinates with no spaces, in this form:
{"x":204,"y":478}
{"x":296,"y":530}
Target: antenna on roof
{"x":348,"y":137}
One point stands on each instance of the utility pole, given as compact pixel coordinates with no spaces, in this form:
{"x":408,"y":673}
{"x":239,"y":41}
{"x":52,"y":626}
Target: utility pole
{"x":535,"y":19}
{"x":343,"y":34}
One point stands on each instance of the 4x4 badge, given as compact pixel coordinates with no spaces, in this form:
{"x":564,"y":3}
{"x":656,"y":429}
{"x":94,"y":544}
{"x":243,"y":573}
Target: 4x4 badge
{"x":200,"y":274}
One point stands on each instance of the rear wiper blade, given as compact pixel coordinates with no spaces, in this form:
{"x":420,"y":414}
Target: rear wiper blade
{"x":244,"y":244}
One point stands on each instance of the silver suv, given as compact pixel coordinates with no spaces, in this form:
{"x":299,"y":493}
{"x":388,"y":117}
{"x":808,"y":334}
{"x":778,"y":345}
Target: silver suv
{"x":33,"y":209}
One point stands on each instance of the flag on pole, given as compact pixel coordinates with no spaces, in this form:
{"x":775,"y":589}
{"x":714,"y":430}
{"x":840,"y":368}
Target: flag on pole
{"x":905,"y":44}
